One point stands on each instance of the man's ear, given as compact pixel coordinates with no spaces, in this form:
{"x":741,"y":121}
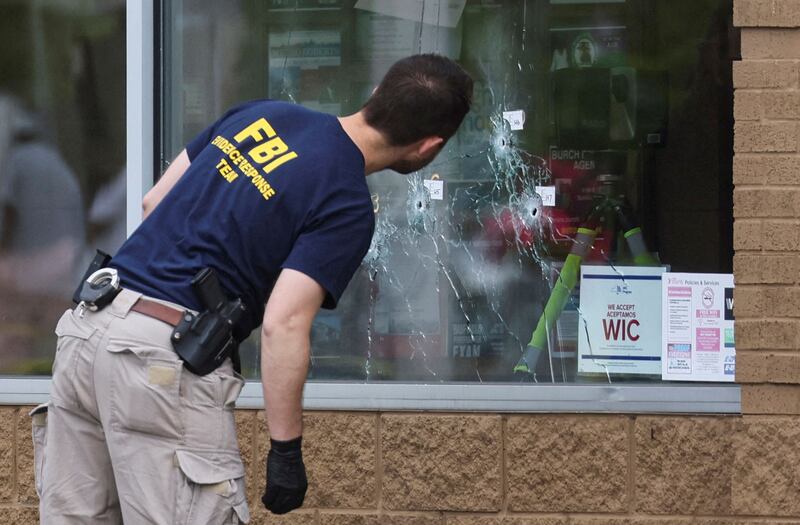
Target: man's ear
{"x":429,"y":145}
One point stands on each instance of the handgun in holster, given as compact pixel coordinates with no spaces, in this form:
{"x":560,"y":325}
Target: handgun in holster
{"x":205,"y":340}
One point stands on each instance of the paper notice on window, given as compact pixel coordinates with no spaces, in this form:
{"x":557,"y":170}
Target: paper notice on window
{"x":435,"y":188}
{"x":548,"y":195}
{"x":619,"y":325}
{"x":442,"y":13}
{"x":697,"y":327}
{"x":515,"y":119}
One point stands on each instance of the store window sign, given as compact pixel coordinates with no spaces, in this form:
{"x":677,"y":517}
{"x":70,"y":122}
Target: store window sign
{"x":620,"y":317}
{"x":698,"y":335}
{"x":445,"y":13}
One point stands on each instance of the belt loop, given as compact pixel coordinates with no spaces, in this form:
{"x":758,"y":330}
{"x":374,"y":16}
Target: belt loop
{"x":123,"y":303}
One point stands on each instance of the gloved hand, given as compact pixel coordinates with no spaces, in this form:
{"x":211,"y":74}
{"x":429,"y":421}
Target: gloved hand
{"x":286,"y":476}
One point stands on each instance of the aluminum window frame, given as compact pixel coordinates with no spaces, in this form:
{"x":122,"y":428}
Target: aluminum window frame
{"x":142,"y":136}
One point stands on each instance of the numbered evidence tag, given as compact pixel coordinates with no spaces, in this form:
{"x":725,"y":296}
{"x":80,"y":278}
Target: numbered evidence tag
{"x":435,"y":188}
{"x":515,"y":119}
{"x":548,"y":195}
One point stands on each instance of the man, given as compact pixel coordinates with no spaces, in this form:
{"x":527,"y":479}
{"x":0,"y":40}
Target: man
{"x":273,"y":198}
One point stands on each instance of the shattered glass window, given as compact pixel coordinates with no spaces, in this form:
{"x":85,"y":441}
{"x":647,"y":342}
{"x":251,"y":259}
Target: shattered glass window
{"x":596,"y":156}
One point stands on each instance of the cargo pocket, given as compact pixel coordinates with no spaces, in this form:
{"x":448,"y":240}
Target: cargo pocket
{"x":72,"y":335}
{"x":211,"y":488}
{"x":208,"y":403}
{"x":39,"y":431}
{"x":145,"y":389}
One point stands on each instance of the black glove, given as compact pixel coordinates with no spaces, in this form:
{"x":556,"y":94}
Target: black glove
{"x":286,"y":476}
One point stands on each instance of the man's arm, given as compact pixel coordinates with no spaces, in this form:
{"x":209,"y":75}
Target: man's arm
{"x":285,"y":350}
{"x":165,"y":183}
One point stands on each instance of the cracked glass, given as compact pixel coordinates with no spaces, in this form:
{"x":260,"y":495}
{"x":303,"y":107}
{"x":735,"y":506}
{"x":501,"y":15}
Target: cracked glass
{"x":597,"y":155}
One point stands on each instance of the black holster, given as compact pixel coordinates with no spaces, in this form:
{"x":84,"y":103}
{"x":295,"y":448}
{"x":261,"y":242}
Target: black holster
{"x":205,"y":340}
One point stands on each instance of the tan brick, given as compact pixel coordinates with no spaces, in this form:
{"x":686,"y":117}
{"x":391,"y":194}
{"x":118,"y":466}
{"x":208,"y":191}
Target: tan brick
{"x":340,"y":452}
{"x":441,"y":462}
{"x":656,"y":521}
{"x":751,"y":521}
{"x":770,"y":43}
{"x":378,"y":519}
{"x":683,"y":465}
{"x":781,"y":301}
{"x":766,"y":169}
{"x":594,"y":520}
{"x":260,"y":516}
{"x":748,"y":334}
{"x":771,"y":334}
{"x":780,"y":334}
{"x":747,"y":105}
{"x":766,"y":269}
{"x":749,"y":301}
{"x":765,"y":74}
{"x":781,"y":235}
{"x":748,"y":235}
{"x":766,"y":202}
{"x":550,"y":457}
{"x":766,"y":13}
{"x":19,"y":515}
{"x":254,"y":466}
{"x":755,"y":105}
{"x":765,"y":136}
{"x":505,"y":520}
{"x":262,"y":437}
{"x":763,"y":367}
{"x":650,"y":520}
{"x":708,"y":521}
{"x":765,"y":478}
{"x":771,"y":399}
{"x":26,"y":484}
{"x":7,"y":489}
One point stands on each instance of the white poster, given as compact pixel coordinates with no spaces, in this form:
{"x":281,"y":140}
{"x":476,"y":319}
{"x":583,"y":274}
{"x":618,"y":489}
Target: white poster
{"x":303,"y":66}
{"x":619,"y":329}
{"x":697,"y":337}
{"x":444,"y":13}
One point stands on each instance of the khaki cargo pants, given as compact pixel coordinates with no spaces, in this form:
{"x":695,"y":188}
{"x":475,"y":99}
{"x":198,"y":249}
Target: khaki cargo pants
{"x":129,"y":435}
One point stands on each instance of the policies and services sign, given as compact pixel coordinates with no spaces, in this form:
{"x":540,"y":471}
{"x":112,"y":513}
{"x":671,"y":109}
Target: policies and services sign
{"x":697,"y":334}
{"x":620,"y":320}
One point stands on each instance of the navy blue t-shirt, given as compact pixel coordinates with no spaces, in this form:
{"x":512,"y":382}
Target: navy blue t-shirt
{"x":271,"y":185}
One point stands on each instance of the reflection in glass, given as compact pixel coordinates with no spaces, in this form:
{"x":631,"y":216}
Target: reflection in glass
{"x":62,"y":153}
{"x":599,"y":141}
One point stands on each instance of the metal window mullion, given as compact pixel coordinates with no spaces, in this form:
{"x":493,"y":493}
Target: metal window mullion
{"x":494,"y":397}
{"x":139,"y":96}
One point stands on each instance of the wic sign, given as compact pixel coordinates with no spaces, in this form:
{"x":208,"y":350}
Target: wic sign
{"x":620,"y":309}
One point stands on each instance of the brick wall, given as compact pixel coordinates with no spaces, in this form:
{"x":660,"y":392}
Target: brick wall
{"x":415,"y":469}
{"x":766,"y":174}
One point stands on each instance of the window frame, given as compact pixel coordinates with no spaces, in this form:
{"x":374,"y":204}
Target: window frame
{"x":142,"y":137}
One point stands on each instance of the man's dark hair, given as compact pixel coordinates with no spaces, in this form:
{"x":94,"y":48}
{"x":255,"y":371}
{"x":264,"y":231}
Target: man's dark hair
{"x":420,"y":96}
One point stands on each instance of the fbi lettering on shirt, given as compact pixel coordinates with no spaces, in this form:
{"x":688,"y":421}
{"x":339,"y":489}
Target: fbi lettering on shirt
{"x":267,"y":154}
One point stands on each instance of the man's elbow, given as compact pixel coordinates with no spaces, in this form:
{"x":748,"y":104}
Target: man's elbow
{"x":287,"y":326}
{"x":148,"y":205}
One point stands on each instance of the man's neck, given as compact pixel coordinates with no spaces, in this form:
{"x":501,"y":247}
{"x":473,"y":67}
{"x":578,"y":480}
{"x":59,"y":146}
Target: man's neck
{"x":378,"y":153}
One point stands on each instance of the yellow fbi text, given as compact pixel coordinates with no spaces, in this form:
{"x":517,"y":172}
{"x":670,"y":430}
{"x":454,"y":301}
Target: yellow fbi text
{"x":269,"y":152}
{"x":225,"y":167}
